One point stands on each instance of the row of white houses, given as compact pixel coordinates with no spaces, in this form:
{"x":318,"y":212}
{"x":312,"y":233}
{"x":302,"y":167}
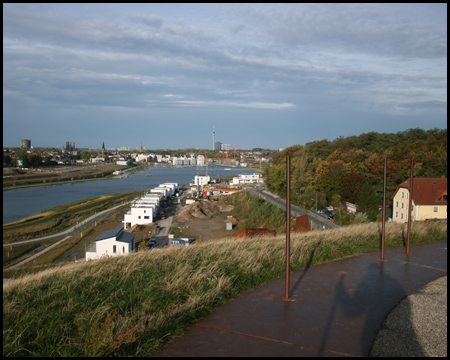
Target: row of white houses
{"x":119,"y":242}
{"x":144,"y":210}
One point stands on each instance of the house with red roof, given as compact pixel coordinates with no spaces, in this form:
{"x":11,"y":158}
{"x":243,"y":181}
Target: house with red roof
{"x":429,"y":200}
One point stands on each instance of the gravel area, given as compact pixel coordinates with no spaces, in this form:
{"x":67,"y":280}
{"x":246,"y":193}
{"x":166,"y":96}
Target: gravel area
{"x":417,"y":326}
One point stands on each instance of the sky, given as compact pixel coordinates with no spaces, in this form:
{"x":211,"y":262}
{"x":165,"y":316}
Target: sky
{"x":264,"y":75}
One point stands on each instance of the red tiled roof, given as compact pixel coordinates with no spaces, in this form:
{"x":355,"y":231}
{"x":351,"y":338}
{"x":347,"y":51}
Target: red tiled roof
{"x":427,"y":191}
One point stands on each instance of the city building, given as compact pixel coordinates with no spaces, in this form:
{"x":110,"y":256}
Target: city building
{"x":429,"y":200}
{"x":111,"y":243}
{"x":201,"y":180}
{"x":246,"y":179}
{"x":25,"y":144}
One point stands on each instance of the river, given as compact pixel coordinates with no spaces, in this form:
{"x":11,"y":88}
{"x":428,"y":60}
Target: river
{"x":22,"y":203}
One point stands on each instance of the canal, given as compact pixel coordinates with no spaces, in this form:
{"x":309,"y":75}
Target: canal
{"x":21,"y":203}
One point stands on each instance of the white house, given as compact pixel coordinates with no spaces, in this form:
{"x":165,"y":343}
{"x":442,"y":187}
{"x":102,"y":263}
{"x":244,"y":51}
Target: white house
{"x":162,"y":190}
{"x":201,"y":160}
{"x":144,"y":157}
{"x":247,"y":179}
{"x":111,"y":243}
{"x":201,"y":180}
{"x":97,"y":160}
{"x":141,"y":214}
{"x":172,"y":186}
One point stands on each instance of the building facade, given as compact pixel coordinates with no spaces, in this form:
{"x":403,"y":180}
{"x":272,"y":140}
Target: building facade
{"x":111,"y":243}
{"x":247,"y":179}
{"x":429,"y":200}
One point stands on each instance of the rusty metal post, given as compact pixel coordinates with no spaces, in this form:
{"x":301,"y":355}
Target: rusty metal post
{"x":409,"y":207}
{"x":383,"y":222}
{"x":288,"y":228}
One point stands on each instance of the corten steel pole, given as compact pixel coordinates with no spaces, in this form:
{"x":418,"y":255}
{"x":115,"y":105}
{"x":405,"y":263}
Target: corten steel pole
{"x":409,"y":207}
{"x":383,"y":222}
{"x":288,"y":227}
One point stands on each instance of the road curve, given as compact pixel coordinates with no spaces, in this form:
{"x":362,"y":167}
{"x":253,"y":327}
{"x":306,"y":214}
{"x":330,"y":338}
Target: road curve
{"x":314,"y":219}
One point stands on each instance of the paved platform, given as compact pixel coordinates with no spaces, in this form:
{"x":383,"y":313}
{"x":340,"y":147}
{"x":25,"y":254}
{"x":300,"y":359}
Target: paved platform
{"x":337,"y":309}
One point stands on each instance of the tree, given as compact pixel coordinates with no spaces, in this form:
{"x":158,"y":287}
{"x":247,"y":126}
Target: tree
{"x":351,"y":187}
{"x":367,"y":202}
{"x":337,"y":176}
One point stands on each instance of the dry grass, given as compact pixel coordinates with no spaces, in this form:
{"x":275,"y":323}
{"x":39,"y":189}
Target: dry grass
{"x":131,"y":305}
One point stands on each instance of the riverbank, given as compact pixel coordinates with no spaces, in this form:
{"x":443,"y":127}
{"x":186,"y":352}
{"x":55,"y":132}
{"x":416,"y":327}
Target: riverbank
{"x":14,"y":179}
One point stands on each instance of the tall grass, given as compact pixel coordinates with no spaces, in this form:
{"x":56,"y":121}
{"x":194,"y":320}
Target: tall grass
{"x":132,"y":305}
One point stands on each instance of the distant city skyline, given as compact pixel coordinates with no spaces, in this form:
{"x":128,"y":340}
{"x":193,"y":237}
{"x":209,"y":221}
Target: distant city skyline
{"x":264,"y":75}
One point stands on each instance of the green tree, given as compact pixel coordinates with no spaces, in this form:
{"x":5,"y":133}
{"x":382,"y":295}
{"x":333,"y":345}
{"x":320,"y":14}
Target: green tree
{"x":337,"y":176}
{"x":367,"y":202}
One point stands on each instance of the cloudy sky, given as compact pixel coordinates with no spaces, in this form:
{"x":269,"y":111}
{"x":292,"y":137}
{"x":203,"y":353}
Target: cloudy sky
{"x":268,"y":75}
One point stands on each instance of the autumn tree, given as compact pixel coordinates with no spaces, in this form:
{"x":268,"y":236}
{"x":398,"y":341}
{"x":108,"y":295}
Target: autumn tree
{"x":351,"y":187}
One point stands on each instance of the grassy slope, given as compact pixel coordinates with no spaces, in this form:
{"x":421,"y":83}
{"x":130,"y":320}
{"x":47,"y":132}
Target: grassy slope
{"x":131,"y":305}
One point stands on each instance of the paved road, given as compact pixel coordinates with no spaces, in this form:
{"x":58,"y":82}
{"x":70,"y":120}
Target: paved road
{"x":162,"y":239}
{"x":69,"y":232}
{"x":314,"y":219}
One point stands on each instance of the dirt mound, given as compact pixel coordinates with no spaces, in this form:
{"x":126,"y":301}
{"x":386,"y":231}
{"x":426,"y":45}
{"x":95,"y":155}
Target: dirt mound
{"x":202,"y":210}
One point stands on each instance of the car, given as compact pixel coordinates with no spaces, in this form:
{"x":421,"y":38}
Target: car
{"x":151,"y":244}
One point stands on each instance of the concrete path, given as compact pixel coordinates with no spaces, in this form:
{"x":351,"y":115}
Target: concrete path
{"x":338,"y":309}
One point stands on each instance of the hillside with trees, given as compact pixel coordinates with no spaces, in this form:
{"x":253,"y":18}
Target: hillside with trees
{"x":351,"y":168}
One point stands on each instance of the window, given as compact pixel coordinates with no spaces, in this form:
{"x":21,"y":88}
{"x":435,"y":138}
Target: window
{"x":435,"y":209}
{"x":396,"y":214}
{"x":114,"y":249}
{"x":145,"y":211}
{"x":396,"y":204}
{"x":146,"y":217}
{"x":123,"y":249}
{"x":139,"y":217}
{"x":403,"y":206}
{"x":403,"y":194}
{"x":401,"y":216}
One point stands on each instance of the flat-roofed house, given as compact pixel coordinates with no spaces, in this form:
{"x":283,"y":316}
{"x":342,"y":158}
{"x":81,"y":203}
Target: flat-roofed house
{"x":429,"y":200}
{"x":111,"y":243}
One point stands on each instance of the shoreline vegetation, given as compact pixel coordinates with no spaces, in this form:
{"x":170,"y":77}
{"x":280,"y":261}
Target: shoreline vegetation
{"x":54,"y":221}
{"x":132,"y":305}
{"x":21,"y":179}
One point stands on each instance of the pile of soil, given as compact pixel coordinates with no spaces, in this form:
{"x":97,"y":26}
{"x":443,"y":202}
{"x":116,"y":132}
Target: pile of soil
{"x":202,"y":210}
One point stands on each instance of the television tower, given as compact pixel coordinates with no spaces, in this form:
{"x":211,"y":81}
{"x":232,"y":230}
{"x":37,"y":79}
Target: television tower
{"x":214,"y":133}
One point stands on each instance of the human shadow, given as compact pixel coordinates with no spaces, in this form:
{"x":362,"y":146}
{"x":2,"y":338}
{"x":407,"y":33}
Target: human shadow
{"x":367,"y":306}
{"x":305,"y":270}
